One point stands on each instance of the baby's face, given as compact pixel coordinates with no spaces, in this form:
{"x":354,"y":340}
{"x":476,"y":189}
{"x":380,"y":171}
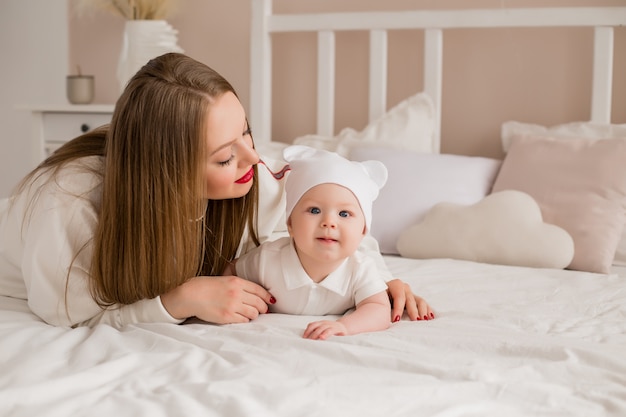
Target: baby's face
{"x":327,"y":223}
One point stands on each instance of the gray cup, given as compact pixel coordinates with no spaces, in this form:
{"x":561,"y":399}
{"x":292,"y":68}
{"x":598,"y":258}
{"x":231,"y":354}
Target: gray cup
{"x":80,"y":89}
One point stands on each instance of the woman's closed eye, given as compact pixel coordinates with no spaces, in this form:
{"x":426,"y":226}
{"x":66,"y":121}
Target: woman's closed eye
{"x":226,"y":162}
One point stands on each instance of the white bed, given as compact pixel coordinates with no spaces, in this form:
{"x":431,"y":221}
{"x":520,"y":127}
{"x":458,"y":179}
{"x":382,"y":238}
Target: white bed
{"x":508,"y":340}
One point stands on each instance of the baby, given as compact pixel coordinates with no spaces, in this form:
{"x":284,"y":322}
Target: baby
{"x":318,"y":269}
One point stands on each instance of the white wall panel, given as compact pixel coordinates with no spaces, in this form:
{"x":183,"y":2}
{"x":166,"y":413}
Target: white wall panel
{"x":34,"y":51}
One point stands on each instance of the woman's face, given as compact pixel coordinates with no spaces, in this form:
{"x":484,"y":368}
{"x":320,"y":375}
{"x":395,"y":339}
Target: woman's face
{"x":231,"y":157}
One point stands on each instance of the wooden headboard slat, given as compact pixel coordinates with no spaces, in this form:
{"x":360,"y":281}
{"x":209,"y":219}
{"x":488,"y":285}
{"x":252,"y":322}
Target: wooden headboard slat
{"x":434,"y":23}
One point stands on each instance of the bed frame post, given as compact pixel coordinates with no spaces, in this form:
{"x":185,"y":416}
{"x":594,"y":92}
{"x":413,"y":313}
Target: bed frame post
{"x":260,"y":112}
{"x":378,"y":74}
{"x":326,"y":83}
{"x":433,"y":76}
{"x":602,"y":75}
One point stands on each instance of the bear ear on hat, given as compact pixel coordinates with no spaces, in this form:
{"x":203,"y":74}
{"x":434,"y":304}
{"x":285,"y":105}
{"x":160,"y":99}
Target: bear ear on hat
{"x":377,"y":171}
{"x":295,"y":152}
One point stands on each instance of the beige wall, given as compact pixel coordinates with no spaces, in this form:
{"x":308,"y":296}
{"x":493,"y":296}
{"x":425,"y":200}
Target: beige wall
{"x":490,"y":76}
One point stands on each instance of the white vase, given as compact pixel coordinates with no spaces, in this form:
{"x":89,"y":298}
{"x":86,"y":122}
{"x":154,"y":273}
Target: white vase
{"x":144,"y":40}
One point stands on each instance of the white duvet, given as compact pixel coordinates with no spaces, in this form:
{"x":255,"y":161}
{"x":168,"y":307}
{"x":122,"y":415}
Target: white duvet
{"x":507,"y":341}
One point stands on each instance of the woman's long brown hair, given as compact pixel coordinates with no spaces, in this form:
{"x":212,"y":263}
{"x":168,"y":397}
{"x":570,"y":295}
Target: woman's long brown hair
{"x":155,"y":231}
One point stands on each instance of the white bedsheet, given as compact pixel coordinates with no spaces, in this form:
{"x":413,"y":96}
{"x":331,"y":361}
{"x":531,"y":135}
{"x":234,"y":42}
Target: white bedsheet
{"x":507,"y":341}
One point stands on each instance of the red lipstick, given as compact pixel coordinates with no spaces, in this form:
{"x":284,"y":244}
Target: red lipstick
{"x":247,"y":177}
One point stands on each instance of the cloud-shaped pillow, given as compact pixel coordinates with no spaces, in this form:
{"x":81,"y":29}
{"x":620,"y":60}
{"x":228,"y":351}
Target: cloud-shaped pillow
{"x":504,"y":228}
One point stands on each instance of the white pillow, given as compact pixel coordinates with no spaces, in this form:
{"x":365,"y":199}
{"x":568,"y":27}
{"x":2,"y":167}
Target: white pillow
{"x":418,"y":181}
{"x":586,"y":130}
{"x":504,"y":228}
{"x":272,"y":150}
{"x":410,"y":125}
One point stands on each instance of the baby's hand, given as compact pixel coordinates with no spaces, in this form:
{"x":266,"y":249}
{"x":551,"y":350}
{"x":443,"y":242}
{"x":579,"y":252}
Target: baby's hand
{"x":321,"y":330}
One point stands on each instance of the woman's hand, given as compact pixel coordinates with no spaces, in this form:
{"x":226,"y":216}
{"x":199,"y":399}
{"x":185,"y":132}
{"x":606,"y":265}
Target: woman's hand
{"x":402,"y":297}
{"x":221,"y":300}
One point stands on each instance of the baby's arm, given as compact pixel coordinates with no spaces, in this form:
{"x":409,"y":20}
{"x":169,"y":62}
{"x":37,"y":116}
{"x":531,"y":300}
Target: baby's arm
{"x":371,"y":314}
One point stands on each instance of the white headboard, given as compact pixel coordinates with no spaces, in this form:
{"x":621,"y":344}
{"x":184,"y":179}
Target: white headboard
{"x":434,"y":23}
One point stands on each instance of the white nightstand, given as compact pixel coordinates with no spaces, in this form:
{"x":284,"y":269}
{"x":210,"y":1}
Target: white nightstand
{"x":54,"y":125}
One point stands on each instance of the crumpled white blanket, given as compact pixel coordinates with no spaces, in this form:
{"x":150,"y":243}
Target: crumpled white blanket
{"x":507,"y":341}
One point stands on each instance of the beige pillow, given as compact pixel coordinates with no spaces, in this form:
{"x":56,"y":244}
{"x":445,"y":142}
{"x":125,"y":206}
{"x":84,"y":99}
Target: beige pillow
{"x":574,"y":130}
{"x":503,"y":228}
{"x":588,"y":130}
{"x":409,"y":125}
{"x":580,"y":185}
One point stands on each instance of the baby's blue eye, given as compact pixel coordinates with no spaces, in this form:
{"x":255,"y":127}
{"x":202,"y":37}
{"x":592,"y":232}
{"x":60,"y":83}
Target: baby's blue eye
{"x":344,"y":213}
{"x":315,"y":210}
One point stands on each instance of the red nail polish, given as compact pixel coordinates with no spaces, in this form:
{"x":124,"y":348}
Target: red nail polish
{"x":418,"y":318}
{"x":432,"y":316}
{"x":396,"y":319}
{"x":272,"y":300}
{"x":425,"y":317}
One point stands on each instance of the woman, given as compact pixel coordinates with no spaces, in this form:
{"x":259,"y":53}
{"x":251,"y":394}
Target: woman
{"x":134,"y":222}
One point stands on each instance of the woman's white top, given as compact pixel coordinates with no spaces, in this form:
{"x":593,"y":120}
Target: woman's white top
{"x":46,"y":235}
